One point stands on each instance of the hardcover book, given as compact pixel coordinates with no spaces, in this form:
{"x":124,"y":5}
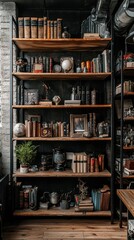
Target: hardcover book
{"x":27,"y":27}
{"x":40,"y":28}
{"x":34,"y":25}
{"x":21,"y":27}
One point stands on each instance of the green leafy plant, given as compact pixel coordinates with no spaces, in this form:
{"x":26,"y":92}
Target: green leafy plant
{"x":26,"y":152}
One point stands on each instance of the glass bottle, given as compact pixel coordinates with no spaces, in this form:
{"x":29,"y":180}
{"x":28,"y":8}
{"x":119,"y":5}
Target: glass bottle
{"x":65,"y":33}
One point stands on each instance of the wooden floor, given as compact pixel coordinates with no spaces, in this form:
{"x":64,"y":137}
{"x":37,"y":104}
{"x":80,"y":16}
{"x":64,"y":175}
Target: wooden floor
{"x":67,"y":229}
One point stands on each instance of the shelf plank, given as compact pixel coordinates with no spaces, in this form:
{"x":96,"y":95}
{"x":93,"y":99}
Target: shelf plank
{"x":61,"y":139}
{"x":61,"y":106}
{"x":59,"y":212}
{"x":128,"y":176}
{"x":128,"y":148}
{"x":129,"y":71}
{"x":127,"y":197}
{"x":72,"y":44}
{"x":129,"y":119}
{"x":61,"y":76}
{"x":67,"y":173}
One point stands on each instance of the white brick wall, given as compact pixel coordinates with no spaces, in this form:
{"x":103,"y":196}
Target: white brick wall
{"x":6,"y":10}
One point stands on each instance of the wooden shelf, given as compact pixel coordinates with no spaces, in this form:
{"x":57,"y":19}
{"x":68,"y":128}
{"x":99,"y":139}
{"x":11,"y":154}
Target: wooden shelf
{"x":129,"y":119}
{"x":61,"y":76}
{"x":72,"y":44}
{"x":129,"y":71}
{"x":59,"y":212}
{"x":67,"y":173}
{"x":61,"y":139}
{"x":61,"y":106}
{"x":128,"y":148}
{"x":128,"y":176}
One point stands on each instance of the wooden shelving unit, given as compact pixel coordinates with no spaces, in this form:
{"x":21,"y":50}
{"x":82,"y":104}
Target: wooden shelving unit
{"x":61,"y":45}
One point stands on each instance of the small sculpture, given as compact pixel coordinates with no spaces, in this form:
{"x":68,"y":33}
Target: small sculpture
{"x":21,"y":64}
{"x":56,"y":100}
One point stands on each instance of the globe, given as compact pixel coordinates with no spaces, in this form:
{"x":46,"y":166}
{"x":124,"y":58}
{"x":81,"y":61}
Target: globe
{"x":66,"y":65}
{"x":19,"y":130}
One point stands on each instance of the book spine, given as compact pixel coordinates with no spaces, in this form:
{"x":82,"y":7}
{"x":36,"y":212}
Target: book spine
{"x":34,"y":27}
{"x":48,"y":29}
{"x":52,"y":29}
{"x":38,"y":129}
{"x":59,"y":27}
{"x":87,"y":95}
{"x":18,"y":95}
{"x":84,"y":163}
{"x":83,"y":95}
{"x":74,"y":163}
{"x":40,"y":28}
{"x":29,"y":129}
{"x":21,"y":27}
{"x":27,"y":28}
{"x":45,"y":27}
{"x":26,"y":126}
{"x":21,"y":93}
{"x":55,"y":29}
{"x":34,"y":128}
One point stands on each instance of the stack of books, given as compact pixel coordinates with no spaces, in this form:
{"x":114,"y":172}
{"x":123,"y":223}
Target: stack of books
{"x":85,"y":205}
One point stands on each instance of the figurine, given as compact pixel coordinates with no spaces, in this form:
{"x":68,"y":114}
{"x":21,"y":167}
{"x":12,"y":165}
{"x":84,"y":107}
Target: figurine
{"x":56,"y":100}
{"x":21,"y":64}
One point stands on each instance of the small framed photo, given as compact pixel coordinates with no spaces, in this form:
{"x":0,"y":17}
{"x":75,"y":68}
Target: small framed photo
{"x":78,"y":125}
{"x":31,"y":96}
{"x":36,"y":118}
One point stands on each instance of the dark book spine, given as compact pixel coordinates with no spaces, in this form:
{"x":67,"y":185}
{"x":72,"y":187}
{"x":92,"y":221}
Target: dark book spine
{"x":40,"y":28}
{"x":21,"y":93}
{"x":55,"y":29}
{"x":18,"y":95}
{"x":21,"y":27}
{"x":87,"y":95}
{"x":34,"y":27}
{"x":47,"y":64}
{"x":45,"y":27}
{"x":50,"y":65}
{"x":27,"y":27}
{"x":59,"y":27}
{"x":44,"y":64}
{"x":83,"y":95}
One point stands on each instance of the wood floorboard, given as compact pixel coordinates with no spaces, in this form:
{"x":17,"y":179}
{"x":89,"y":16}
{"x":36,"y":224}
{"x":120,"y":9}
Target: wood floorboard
{"x":64,"y":229}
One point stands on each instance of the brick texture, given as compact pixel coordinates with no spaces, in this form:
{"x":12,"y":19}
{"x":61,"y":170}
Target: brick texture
{"x":6,"y":11}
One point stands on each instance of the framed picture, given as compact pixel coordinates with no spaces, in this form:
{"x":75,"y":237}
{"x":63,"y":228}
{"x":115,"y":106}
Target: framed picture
{"x":31,"y":96}
{"x":36,"y":118}
{"x":78,"y":125}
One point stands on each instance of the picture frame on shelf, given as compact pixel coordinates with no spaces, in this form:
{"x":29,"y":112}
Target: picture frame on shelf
{"x":31,"y":96}
{"x":36,"y":118}
{"x":78,"y":125}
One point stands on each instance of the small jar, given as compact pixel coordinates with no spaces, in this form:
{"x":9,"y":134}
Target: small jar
{"x":65,"y":33}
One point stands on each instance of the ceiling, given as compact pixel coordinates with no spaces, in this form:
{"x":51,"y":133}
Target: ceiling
{"x":83,"y":5}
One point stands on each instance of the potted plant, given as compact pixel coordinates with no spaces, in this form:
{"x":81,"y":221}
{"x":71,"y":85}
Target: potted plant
{"x":25,"y":153}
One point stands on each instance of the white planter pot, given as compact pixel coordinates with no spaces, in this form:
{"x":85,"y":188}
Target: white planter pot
{"x":23,"y":169}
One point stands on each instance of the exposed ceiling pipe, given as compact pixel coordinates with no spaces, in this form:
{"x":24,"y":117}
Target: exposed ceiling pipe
{"x":124,"y":16}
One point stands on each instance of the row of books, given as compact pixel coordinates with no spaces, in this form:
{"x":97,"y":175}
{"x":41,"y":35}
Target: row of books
{"x":25,"y":196}
{"x":33,"y":27}
{"x":102,"y":63}
{"x":128,"y":86}
{"x":36,"y":129}
{"x":101,"y":198}
{"x":83,"y":163}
